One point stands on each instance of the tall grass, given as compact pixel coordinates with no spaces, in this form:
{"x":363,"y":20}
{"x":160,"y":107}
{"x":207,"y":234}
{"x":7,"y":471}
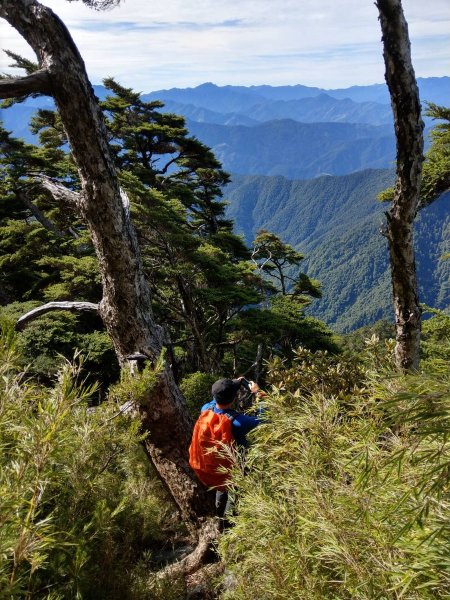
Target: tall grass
{"x":345,"y":493}
{"x":347,"y":485}
{"x":81,"y":512}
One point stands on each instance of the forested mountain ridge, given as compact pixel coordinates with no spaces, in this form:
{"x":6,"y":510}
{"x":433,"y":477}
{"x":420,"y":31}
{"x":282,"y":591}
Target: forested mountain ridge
{"x":305,"y":209}
{"x":315,"y":109}
{"x":279,"y":147}
{"x":336,"y":222}
{"x":322,"y":216}
{"x":298,"y":150}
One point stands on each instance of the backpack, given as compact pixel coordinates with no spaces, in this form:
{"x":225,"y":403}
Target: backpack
{"x":207,"y":455}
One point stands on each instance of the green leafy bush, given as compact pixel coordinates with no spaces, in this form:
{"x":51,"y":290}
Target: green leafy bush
{"x":79,"y":504}
{"x":310,"y":372}
{"x":435,"y":344}
{"x":196,"y":388}
{"x":46,"y":342}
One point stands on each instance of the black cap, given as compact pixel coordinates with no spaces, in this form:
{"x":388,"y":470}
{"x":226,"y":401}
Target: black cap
{"x":224,"y":390}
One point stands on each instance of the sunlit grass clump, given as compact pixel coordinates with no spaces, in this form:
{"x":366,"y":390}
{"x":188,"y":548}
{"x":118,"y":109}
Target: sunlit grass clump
{"x":81,"y":511}
{"x":347,"y":486}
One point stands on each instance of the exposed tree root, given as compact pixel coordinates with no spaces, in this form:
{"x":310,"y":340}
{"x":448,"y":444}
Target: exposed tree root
{"x":203,"y":553}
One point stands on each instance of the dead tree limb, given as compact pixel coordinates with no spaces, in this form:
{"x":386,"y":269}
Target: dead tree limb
{"x":197,"y":558}
{"x":38,"y":214}
{"x":52,"y":306}
{"x":57,"y":191}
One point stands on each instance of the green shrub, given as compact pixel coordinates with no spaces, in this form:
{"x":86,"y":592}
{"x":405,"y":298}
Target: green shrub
{"x":47,"y":341}
{"x":435,"y":343}
{"x":79,"y":504}
{"x":346,"y":490}
{"x":355,"y":341}
{"x":196,"y":388}
{"x":330,"y":374}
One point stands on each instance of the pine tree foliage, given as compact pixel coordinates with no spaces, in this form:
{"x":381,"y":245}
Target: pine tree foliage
{"x":436,"y":168}
{"x":46,"y":254}
{"x":99,"y":4}
{"x":156,"y":148}
{"x":279,"y":324}
{"x":19,"y":62}
{"x":196,"y":265}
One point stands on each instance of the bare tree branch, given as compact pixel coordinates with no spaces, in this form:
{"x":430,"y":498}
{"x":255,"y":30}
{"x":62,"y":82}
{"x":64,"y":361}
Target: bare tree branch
{"x":38,"y":214}
{"x":51,"y":306}
{"x":57,"y":191}
{"x":196,"y":559}
{"x":38,"y":82}
{"x":231,"y":342}
{"x":99,"y":4}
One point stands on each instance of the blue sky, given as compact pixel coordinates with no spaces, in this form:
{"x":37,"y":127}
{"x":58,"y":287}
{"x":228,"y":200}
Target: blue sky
{"x":182,"y":43}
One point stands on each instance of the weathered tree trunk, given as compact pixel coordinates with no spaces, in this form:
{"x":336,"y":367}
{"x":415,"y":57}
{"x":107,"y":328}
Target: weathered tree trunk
{"x":126,"y":304}
{"x":405,"y":102}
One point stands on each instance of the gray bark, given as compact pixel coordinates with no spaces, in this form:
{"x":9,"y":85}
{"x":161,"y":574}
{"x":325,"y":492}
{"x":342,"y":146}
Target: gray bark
{"x":57,"y":191}
{"x":36,"y":83}
{"x":126,"y":304}
{"x":405,"y":103}
{"x":52,"y":306}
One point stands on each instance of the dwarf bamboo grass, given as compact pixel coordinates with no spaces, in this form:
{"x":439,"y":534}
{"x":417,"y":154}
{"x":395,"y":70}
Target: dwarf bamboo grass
{"x":346,"y":491}
{"x":79,"y":503}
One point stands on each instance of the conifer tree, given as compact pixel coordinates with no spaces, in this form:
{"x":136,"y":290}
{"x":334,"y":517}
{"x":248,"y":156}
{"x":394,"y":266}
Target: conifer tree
{"x":193,"y":260}
{"x":436,"y":168}
{"x":125,"y":307}
{"x":279,"y":325}
{"x":277,"y":258}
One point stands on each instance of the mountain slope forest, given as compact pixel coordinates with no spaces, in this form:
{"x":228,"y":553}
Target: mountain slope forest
{"x":337,"y":223}
{"x":135,"y":271}
{"x":278,"y":147}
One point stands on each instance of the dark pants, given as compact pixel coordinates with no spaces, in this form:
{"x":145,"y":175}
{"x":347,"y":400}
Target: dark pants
{"x":221,"y":503}
{"x":224,"y":508}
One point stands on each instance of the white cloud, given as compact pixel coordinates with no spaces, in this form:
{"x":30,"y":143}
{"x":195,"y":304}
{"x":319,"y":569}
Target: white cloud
{"x":149,"y":45}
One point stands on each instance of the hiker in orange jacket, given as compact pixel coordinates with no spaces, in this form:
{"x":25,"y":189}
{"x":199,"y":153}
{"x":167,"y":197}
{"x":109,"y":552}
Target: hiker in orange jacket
{"x":221,"y":425}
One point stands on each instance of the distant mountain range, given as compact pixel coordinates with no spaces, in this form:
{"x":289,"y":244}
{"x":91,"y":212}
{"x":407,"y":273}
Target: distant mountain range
{"x":298,"y":150}
{"x":240,"y":105}
{"x":307,"y":163}
{"x":336,"y":222}
{"x":295,"y":131}
{"x":317,"y":109}
{"x":230,"y":98}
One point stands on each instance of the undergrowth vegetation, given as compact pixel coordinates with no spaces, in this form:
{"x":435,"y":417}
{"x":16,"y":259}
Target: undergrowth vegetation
{"x":345,"y":494}
{"x":82,"y":515}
